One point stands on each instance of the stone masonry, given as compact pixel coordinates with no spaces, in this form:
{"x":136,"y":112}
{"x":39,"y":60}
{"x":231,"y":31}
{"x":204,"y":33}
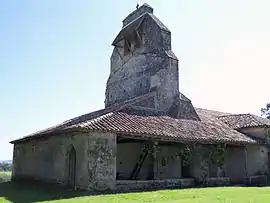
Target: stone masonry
{"x":142,"y":61}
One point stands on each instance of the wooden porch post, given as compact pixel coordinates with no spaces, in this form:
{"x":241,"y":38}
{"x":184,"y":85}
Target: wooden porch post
{"x":155,"y":164}
{"x":246,"y":160}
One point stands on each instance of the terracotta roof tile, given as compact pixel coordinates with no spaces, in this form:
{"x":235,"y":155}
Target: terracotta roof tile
{"x":235,"y":121}
{"x":157,"y":127}
{"x":166,"y":127}
{"x":210,"y":114}
{"x":238,"y":121}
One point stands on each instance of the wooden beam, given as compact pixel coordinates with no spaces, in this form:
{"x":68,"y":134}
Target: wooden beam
{"x":246,"y":160}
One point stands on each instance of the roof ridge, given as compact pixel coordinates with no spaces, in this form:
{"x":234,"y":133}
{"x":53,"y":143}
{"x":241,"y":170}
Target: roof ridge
{"x":204,"y":109}
{"x":237,"y":114}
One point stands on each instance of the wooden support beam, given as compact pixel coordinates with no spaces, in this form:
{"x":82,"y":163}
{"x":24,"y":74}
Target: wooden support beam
{"x":246,"y":160}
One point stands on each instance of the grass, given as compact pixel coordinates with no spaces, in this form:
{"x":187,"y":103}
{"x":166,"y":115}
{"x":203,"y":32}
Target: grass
{"x":29,"y":193}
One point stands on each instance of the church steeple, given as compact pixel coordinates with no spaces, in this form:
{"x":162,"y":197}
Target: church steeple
{"x":142,"y":62}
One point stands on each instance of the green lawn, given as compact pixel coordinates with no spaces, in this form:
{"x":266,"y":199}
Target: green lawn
{"x":30,"y":193}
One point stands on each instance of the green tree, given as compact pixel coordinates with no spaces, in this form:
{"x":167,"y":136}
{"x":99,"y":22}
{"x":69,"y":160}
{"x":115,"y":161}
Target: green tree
{"x":5,"y":167}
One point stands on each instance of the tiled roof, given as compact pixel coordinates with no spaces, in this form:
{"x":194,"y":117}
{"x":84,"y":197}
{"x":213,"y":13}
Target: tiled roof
{"x":67,"y":125}
{"x":157,"y":127}
{"x":210,"y":114}
{"x":238,"y":121}
{"x":235,"y":121}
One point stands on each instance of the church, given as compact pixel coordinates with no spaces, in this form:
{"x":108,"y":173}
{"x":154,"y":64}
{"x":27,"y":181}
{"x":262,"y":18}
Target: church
{"x":149,"y":135}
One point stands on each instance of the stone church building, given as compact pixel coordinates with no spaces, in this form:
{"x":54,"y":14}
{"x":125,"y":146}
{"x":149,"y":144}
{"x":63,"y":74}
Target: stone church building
{"x":149,"y":135}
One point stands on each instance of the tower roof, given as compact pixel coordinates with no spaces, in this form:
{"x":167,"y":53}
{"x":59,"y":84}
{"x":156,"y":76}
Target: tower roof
{"x":145,"y":8}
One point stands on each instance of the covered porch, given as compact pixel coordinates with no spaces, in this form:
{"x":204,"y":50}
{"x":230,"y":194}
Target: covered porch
{"x":142,"y":163}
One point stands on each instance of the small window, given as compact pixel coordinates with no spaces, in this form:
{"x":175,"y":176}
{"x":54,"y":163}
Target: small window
{"x":127,"y":47}
{"x":132,"y":42}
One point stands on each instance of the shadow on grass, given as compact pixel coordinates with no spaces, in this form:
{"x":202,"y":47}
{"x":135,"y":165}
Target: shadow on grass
{"x":28,"y":192}
{"x":32,"y":191}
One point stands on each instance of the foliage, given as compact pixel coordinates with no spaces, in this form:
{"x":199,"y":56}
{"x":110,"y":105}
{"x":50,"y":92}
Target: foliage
{"x":266,"y":111}
{"x":201,"y":155}
{"x":187,"y":152}
{"x":217,"y":155}
{"x":5,"y":167}
{"x":214,"y":153}
{"x":25,"y":193}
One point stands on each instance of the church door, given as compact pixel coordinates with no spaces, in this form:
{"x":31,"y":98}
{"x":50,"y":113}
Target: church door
{"x":71,"y":167}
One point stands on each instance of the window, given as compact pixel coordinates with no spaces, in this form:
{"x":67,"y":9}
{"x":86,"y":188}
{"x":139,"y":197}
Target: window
{"x":132,"y":42}
{"x":127,"y":47}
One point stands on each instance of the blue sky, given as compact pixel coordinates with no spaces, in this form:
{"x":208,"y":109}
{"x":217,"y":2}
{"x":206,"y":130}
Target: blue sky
{"x":54,"y":57}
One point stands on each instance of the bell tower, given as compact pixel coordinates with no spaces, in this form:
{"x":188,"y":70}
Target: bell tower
{"x":142,"y":62}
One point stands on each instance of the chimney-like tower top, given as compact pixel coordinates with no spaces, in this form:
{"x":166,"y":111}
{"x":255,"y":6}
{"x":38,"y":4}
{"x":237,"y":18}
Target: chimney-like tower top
{"x":145,"y":8}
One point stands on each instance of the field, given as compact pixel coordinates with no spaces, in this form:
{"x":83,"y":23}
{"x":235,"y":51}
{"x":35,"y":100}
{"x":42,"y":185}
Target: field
{"x":30,"y":193}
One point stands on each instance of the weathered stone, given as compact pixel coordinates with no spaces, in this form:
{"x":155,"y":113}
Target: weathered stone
{"x":126,"y":185}
{"x":48,"y":160}
{"x":218,"y":181}
{"x":256,"y":180}
{"x":142,"y":61}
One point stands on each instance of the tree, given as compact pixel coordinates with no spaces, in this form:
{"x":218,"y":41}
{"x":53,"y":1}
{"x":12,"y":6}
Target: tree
{"x":266,"y":111}
{"x":5,"y":167}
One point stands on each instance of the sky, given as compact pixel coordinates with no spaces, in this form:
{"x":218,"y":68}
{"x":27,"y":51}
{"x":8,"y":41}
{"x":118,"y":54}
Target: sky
{"x":55,"y":57}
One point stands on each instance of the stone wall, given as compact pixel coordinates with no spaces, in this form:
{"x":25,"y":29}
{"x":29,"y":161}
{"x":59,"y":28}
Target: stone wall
{"x":202,"y":166}
{"x":166,"y":165}
{"x":137,"y":185}
{"x":168,"y":162}
{"x":128,"y":155}
{"x":257,"y":155}
{"x":150,"y":66}
{"x":98,"y":157}
{"x":47,"y":160}
{"x":101,"y":161}
{"x":127,"y":185}
{"x":235,"y":163}
{"x":257,"y":160}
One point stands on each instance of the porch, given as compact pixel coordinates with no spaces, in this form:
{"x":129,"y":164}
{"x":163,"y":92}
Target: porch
{"x":145,"y":164}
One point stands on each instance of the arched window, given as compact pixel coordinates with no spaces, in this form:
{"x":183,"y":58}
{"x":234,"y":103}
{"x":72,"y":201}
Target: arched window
{"x":72,"y":166}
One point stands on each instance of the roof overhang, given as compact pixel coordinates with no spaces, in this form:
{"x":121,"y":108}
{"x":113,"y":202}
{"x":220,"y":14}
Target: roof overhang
{"x":128,"y":29}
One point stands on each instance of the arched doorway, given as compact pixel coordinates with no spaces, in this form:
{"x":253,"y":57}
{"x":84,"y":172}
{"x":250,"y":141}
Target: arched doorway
{"x":72,"y":167}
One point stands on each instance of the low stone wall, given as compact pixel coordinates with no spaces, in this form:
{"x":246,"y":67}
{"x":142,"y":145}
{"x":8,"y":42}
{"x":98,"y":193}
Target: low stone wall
{"x":219,"y":181}
{"x":256,"y":180}
{"x":125,"y":185}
